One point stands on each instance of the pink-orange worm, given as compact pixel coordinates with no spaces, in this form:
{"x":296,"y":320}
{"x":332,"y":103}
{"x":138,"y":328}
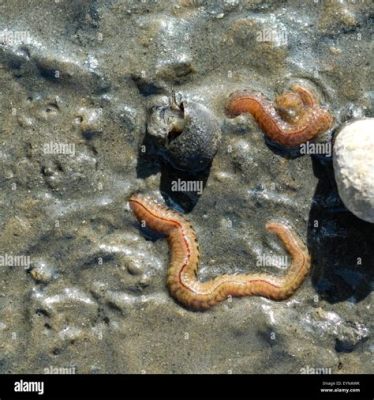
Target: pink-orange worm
{"x":310,"y":120}
{"x":182,"y":279}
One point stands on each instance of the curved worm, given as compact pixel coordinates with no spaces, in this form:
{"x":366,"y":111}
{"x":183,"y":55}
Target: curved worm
{"x":310,"y":119}
{"x":184,"y":260}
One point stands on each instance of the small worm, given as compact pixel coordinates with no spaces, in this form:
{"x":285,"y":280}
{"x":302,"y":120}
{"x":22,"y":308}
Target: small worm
{"x":278,"y":123}
{"x":182,"y":279}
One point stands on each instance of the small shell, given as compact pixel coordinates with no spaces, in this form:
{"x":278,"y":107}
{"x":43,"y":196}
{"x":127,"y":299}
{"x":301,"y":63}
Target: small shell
{"x":188,"y":134}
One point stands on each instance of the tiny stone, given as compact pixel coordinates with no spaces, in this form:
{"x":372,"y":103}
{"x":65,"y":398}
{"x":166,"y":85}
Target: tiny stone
{"x":42,"y":272}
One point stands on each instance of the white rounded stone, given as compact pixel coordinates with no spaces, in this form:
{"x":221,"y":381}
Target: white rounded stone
{"x":354,"y":167}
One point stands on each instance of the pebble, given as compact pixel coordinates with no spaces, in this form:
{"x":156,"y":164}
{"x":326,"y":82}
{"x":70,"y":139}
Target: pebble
{"x":42,"y":271}
{"x":354,"y":167}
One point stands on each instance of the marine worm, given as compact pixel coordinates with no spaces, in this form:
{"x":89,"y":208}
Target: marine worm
{"x":182,"y":279}
{"x":308,"y":121}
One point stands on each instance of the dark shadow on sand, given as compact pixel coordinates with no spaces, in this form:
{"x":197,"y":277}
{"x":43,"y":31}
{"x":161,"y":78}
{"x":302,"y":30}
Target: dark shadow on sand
{"x":341,"y":245}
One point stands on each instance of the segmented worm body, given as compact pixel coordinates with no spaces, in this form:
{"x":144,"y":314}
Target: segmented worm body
{"x":309,"y":119}
{"x":182,"y":279}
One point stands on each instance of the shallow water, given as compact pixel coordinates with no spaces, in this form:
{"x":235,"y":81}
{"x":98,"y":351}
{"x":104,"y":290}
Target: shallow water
{"x":92,"y":294}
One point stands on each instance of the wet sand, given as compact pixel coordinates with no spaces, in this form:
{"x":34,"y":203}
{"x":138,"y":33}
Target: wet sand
{"x":82,"y":286}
